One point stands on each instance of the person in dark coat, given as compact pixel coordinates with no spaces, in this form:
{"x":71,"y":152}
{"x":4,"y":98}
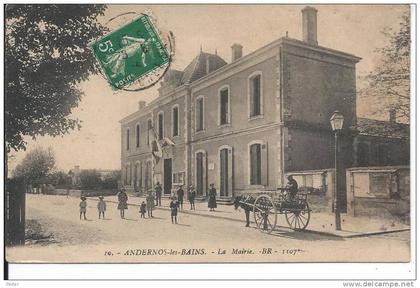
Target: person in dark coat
{"x":158,"y":194}
{"x":292,"y":187}
{"x":191,"y":197}
{"x":180,"y":194}
{"x":212,"y":198}
{"x":174,"y":210}
{"x":122,"y":202}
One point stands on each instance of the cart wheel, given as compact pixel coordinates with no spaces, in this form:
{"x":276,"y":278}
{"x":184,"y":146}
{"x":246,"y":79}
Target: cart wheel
{"x":299,"y":219}
{"x":265,"y":213}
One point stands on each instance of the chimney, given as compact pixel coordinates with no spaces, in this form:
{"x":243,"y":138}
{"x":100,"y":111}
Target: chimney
{"x":142,"y":104}
{"x":392,"y":116}
{"x":309,"y":24}
{"x":236,"y":51}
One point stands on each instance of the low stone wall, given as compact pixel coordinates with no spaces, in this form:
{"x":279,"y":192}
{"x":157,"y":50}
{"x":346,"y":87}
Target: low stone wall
{"x":382,"y":208}
{"x":319,"y":203}
{"x":88,"y":193}
{"x":68,"y":192}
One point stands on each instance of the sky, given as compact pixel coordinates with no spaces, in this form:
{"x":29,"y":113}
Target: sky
{"x":354,"y":29}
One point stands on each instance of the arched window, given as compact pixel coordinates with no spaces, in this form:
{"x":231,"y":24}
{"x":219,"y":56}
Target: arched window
{"x":201,"y":173}
{"x":255,"y":156}
{"x":126,"y":175}
{"x":258,"y":162}
{"x":175,"y":120}
{"x":161,"y":124}
{"x":255,"y":94}
{"x":149,"y":130}
{"x":199,"y":112}
{"x":148,"y":175}
{"x":128,"y":138}
{"x":224,"y":105}
{"x":138,"y":135}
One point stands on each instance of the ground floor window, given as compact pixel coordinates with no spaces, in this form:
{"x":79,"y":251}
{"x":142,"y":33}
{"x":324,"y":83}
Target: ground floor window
{"x":148,"y":176}
{"x":255,"y":156}
{"x":224,"y":172}
{"x":200,"y":176}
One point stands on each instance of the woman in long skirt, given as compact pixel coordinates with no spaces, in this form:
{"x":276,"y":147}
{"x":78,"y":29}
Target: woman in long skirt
{"x":212,"y":198}
{"x":150,"y":204}
{"x":122,"y":202}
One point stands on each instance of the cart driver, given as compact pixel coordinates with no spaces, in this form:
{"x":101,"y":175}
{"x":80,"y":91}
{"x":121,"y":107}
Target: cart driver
{"x":291,"y":187}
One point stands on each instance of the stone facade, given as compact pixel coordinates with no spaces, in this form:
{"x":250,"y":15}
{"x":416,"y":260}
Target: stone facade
{"x":244,"y":125}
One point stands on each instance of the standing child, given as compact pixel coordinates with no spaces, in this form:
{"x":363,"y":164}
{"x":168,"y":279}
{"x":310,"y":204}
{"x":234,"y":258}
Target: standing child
{"x":142,"y":209}
{"x":191,"y":197}
{"x":174,"y":210}
{"x":83,"y":207}
{"x":101,"y":207}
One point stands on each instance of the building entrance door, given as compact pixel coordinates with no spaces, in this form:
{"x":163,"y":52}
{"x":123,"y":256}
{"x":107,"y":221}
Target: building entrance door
{"x":226,"y":172}
{"x":201,"y":173}
{"x":167,"y":176}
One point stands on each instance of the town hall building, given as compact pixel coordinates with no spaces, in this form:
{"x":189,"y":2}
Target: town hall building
{"x":244,"y":125}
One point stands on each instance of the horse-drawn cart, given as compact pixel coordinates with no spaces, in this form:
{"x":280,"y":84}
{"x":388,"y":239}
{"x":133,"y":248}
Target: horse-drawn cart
{"x":268,"y":205}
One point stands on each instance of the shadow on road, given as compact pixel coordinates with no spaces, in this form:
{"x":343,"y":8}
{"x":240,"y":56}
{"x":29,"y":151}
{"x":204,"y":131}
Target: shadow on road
{"x":186,"y":225}
{"x":304,"y":235}
{"x":129,"y":219}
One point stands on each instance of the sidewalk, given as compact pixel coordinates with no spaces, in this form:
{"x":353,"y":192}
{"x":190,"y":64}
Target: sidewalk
{"x":320,"y":223}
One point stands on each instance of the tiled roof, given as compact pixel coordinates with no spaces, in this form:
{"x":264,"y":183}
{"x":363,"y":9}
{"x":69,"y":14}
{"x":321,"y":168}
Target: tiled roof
{"x":380,"y":128}
{"x":198,"y":67}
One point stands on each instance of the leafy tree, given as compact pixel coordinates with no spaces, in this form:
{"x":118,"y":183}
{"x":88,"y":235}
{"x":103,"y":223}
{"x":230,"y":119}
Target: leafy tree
{"x":46,"y":56}
{"x":388,"y":86}
{"x":35,"y":166}
{"x":90,"y":179}
{"x":111,"y":180}
{"x":59,"y":179}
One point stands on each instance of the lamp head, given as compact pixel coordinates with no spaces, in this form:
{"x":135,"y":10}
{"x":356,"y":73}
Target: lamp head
{"x":337,"y":120}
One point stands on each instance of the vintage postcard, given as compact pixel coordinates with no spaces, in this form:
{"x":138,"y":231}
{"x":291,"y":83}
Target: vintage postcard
{"x":207,"y":133}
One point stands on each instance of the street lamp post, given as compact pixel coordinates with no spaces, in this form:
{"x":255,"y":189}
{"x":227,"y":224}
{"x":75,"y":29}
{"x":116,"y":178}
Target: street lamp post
{"x":336,"y":121}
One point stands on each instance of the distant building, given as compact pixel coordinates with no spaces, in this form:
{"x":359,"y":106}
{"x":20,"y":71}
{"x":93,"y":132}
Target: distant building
{"x":75,"y":174}
{"x":244,"y":125}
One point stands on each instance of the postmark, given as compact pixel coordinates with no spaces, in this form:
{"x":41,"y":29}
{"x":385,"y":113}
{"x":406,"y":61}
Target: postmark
{"x":134,"y":56}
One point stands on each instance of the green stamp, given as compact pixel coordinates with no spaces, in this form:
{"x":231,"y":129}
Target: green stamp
{"x":133,"y":53}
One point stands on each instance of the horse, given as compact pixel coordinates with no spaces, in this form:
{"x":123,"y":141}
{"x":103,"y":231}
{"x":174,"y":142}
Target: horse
{"x":246,"y":203}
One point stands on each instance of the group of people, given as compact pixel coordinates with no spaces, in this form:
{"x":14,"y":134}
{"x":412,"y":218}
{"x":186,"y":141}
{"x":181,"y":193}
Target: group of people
{"x":177,"y":201}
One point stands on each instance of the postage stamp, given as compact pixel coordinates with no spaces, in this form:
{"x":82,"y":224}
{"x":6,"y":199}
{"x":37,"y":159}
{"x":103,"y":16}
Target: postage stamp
{"x":131,"y":53}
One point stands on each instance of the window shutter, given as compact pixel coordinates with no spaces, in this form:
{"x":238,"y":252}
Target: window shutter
{"x":131,"y":175}
{"x":264,"y":164}
{"x":141,"y":175}
{"x":231,"y":172}
{"x":251,"y":98}
{"x":257,"y":95}
{"x":205,"y":184}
